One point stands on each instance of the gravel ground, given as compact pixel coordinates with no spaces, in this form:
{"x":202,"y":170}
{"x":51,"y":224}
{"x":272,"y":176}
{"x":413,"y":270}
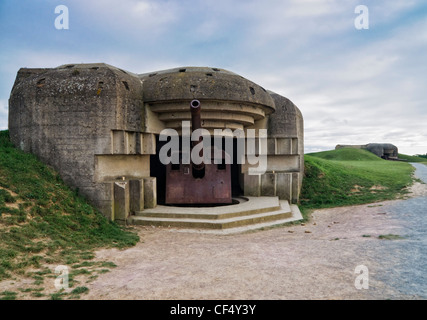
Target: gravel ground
{"x":408,"y":274}
{"x":312,"y":261}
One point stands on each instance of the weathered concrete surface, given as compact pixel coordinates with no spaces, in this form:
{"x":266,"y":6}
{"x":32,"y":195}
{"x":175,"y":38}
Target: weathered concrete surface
{"x":383,"y":150}
{"x":98,"y":125}
{"x":65,"y":116}
{"x":248,"y":213}
{"x":200,"y":83}
{"x":287,"y":122}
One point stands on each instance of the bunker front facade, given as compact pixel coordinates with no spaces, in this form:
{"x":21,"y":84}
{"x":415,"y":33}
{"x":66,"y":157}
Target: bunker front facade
{"x":99,"y":127}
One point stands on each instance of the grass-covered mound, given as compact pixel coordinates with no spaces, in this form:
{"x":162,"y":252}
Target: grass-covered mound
{"x":42,"y":221}
{"x":413,"y":158}
{"x":346,"y":154}
{"x":351,"y":176}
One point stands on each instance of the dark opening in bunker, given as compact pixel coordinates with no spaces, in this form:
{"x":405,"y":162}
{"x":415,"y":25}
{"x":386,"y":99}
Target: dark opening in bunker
{"x":158,"y":170}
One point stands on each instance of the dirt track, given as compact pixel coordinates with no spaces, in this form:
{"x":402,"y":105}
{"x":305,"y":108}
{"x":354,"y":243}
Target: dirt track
{"x":313,"y":261}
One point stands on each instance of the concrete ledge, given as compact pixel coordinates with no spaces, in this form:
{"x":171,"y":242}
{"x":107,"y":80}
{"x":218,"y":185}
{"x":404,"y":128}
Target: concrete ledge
{"x":237,"y":223}
{"x":212,"y":224}
{"x":296,"y":216}
{"x":243,"y":206}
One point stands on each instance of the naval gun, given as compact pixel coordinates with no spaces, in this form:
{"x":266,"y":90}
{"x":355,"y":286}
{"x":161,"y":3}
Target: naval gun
{"x":201,"y":183}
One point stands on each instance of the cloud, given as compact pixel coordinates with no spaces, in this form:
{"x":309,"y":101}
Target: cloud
{"x":3,"y":114}
{"x":351,"y":86}
{"x":371,"y":90}
{"x":128,"y":18}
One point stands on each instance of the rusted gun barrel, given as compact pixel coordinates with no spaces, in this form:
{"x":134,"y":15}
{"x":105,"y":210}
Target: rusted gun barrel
{"x":196,"y":123}
{"x":195,"y":115}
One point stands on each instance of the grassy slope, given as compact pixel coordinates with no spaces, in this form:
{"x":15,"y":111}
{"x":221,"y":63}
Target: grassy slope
{"x":346,"y":154}
{"x":412,"y":158}
{"x":42,"y":221}
{"x":351,"y":176}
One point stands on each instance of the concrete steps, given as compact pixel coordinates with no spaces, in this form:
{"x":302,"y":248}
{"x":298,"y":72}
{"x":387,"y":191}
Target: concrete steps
{"x":248,"y":214}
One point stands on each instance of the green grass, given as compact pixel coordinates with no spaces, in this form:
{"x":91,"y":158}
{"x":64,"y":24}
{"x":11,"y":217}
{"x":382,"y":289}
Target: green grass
{"x":351,"y":176}
{"x":6,"y":197}
{"x":8,"y":295}
{"x":412,"y":158}
{"x":80,"y":290}
{"x":346,"y":154}
{"x":46,"y":222}
{"x":390,"y":236}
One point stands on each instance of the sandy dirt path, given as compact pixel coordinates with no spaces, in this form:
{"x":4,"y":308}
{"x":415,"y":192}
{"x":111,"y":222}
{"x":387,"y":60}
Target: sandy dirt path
{"x":312,"y":261}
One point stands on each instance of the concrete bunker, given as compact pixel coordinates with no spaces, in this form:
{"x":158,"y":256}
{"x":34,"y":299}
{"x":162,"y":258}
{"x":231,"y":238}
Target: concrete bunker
{"x":385,"y":151}
{"x":99,"y":127}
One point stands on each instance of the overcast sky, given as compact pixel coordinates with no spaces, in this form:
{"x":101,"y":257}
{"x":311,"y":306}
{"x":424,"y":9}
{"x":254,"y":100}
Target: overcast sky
{"x":352,"y":86}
